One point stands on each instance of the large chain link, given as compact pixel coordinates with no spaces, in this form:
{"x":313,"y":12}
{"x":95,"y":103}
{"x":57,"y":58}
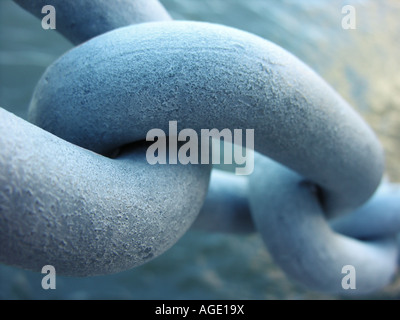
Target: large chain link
{"x":64,"y":203}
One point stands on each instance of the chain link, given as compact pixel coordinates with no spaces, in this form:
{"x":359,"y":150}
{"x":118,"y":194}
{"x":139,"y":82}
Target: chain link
{"x":65,"y":202}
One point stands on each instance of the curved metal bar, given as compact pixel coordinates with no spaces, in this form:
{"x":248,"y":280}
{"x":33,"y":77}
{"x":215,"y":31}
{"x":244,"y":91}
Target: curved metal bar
{"x":301,"y":241}
{"x":113,"y":89}
{"x":83,"y":213}
{"x":82,"y":20}
{"x":119,"y":213}
{"x":226,"y":207}
{"x":378,"y":218}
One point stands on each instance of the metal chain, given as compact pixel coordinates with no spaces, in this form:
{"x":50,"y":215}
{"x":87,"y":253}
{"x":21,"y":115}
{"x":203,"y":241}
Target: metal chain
{"x":64,"y":202}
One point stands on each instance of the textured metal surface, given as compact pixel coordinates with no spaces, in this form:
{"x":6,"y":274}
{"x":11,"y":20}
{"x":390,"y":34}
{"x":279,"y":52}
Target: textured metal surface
{"x":118,"y":86}
{"x":83,"y":213}
{"x":82,"y":20}
{"x":63,"y":205}
{"x":293,"y":226}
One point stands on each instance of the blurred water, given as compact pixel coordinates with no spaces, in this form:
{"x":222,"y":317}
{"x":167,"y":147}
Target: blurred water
{"x":360,"y":64}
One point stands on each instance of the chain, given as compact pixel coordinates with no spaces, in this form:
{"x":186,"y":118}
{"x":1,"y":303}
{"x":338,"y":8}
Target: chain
{"x":77,"y":192}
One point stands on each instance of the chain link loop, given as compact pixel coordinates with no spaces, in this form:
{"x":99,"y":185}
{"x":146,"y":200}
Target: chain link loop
{"x":64,"y":202}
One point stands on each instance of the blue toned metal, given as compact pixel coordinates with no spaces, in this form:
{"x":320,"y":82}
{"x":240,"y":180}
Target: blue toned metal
{"x":118,"y":86}
{"x":226,"y":207}
{"x":64,"y":203}
{"x":379,"y":217}
{"x":83,"y":213}
{"x":292,"y":223}
{"x":82,"y":20}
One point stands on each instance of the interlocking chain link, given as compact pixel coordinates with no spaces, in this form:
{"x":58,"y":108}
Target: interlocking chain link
{"x":64,"y":202}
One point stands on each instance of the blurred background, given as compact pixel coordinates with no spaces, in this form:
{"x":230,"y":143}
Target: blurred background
{"x":362,"y":65}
